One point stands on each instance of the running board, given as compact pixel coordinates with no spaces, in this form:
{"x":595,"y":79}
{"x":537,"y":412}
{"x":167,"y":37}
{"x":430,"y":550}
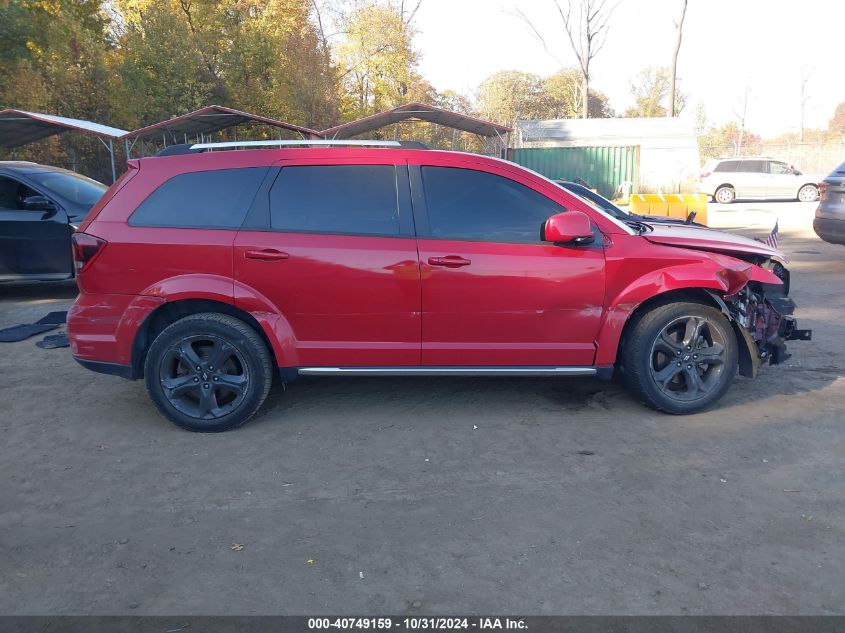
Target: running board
{"x":448,"y":371}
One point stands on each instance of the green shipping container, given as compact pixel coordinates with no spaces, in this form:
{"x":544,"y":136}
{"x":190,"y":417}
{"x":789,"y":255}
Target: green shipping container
{"x":604,"y":168}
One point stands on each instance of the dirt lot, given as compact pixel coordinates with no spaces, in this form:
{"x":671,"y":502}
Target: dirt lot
{"x":433,"y":495}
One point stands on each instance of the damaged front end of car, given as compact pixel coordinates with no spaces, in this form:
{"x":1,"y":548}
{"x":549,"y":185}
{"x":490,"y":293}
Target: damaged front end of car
{"x":762,"y":315}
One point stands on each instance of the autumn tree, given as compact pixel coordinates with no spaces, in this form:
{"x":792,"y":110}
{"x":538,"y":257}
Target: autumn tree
{"x":837,"y":123}
{"x":53,"y":58}
{"x":650,"y":89}
{"x":377,"y":59}
{"x":728,"y":140}
{"x":510,"y":95}
{"x":267,"y":58}
{"x":564,"y":97}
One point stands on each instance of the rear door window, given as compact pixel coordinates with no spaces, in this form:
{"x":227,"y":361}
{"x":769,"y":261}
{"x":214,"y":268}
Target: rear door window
{"x":465,"y":204}
{"x":753,"y":166}
{"x":215,"y":199}
{"x":340,"y":199}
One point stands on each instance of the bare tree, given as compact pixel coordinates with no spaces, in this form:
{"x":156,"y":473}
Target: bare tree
{"x":410,"y":13}
{"x":741,"y":114}
{"x":679,"y":32}
{"x":805,"y":78}
{"x":587,"y":33}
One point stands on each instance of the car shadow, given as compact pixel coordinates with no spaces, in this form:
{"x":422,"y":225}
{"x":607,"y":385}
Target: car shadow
{"x":39,"y":290}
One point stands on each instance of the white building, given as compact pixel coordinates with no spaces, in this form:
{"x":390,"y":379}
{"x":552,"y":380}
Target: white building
{"x":667,"y":148}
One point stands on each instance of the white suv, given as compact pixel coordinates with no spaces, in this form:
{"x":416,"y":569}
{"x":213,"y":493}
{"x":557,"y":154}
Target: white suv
{"x":730,"y":179}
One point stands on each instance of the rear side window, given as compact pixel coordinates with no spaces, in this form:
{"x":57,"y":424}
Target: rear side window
{"x":727,"y":165}
{"x":346,"y":199}
{"x":216,"y":199}
{"x":753,"y":166}
{"x":464,"y":204}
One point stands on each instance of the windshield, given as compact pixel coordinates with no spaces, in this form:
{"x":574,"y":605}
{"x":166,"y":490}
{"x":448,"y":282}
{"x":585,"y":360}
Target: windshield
{"x":72,"y":187}
{"x":617,"y":221}
{"x":601,"y":202}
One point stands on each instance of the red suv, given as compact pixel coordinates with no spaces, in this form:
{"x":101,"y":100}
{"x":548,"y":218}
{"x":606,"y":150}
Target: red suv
{"x":206,"y":272}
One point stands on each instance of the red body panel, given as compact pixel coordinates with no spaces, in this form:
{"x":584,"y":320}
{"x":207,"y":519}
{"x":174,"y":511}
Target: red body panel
{"x":513,"y":304}
{"x":340,"y":300}
{"x":347,"y":300}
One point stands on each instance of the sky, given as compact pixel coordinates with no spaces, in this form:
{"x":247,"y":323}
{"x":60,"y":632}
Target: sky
{"x":728,"y":45}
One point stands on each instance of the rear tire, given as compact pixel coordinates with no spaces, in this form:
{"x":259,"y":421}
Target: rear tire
{"x":725,"y":195}
{"x":208,"y":372}
{"x":808,"y":193}
{"x":680,"y":357}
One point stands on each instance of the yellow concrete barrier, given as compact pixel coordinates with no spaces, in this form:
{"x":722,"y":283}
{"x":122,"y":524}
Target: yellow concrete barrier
{"x":673,"y":205}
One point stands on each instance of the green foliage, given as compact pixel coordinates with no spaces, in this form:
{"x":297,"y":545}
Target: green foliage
{"x":511,"y":95}
{"x":650,"y":88}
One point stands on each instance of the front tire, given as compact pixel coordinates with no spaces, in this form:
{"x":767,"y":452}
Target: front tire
{"x":208,"y":372}
{"x":808,"y":193}
{"x":725,"y":195}
{"x":680,"y":357}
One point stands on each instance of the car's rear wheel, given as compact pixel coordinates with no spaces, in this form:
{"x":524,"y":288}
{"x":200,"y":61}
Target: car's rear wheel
{"x":725,"y":195}
{"x":808,"y":193}
{"x":208,"y":372}
{"x":680,"y":357}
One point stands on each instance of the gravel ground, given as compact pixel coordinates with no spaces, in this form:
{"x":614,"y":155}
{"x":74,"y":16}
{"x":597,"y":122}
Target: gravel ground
{"x":437,"y":495}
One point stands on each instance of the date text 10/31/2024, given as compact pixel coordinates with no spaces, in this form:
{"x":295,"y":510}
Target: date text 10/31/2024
{"x":418,"y":623}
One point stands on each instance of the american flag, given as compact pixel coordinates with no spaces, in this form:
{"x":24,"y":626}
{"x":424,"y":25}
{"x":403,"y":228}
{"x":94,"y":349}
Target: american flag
{"x":772,"y":240}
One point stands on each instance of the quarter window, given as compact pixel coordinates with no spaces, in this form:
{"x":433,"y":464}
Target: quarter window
{"x":465,"y":204}
{"x":347,"y":199}
{"x":216,"y":199}
{"x":727,"y":165}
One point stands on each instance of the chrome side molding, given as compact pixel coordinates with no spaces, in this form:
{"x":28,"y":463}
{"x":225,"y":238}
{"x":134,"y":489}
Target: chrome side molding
{"x":447,"y":371}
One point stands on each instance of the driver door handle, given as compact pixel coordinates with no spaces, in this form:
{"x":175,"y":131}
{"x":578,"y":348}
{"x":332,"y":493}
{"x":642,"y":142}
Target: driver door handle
{"x":266,"y":255}
{"x":449,"y":261}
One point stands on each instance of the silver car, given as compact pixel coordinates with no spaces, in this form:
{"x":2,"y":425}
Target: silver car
{"x":757,"y":178}
{"x":829,"y":223}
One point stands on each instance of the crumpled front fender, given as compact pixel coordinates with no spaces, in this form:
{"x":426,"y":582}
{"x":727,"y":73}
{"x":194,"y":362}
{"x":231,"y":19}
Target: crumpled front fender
{"x":719,"y":274}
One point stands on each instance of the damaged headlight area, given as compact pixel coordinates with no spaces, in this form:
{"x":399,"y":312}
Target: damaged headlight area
{"x":764,"y":312}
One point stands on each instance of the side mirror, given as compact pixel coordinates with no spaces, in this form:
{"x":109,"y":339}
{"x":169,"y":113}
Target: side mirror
{"x":572,"y":227}
{"x":38,"y":203}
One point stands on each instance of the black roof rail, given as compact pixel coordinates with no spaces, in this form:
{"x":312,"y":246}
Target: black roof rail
{"x":413,"y":145}
{"x":179,"y":149}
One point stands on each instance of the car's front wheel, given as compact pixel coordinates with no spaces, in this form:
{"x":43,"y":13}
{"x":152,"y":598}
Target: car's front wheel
{"x":808,"y":193}
{"x":680,"y":357}
{"x":208,"y":372}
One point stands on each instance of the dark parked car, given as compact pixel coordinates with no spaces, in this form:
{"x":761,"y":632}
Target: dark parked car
{"x":39,"y":208}
{"x":830,"y":214}
{"x":608,"y":207}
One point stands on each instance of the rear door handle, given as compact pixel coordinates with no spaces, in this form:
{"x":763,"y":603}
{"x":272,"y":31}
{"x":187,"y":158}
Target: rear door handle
{"x":449,"y":261}
{"x":266,"y":255}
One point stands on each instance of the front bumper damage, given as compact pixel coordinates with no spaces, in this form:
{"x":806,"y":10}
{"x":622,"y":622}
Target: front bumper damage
{"x":762,"y":315}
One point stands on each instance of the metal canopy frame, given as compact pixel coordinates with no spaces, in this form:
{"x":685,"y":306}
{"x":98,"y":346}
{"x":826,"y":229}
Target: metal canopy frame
{"x":201,"y":123}
{"x":19,"y":127}
{"x":421,"y":112}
